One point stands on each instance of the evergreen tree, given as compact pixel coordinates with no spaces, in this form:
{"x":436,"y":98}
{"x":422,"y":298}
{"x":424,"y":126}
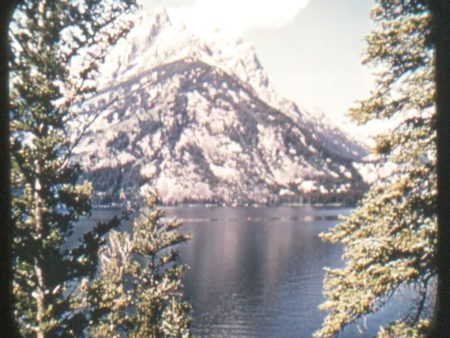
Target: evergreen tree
{"x":390,"y":239}
{"x":47,"y":38}
{"x":139,"y":291}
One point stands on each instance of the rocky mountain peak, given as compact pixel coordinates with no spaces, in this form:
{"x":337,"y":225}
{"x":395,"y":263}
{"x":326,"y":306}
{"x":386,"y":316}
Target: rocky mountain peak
{"x":197,"y":120}
{"x":160,"y":38}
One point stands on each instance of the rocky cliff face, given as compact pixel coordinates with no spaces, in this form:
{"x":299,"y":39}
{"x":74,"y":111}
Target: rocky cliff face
{"x":199,"y":122}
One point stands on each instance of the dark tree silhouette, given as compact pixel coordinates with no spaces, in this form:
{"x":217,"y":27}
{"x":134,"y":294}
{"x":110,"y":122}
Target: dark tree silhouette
{"x":441,"y":22}
{"x":7,"y":327}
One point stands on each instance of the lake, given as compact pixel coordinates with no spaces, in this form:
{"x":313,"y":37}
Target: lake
{"x":258,"y":271}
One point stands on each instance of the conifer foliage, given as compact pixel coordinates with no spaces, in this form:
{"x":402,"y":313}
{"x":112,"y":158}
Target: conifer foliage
{"x":390,"y":239}
{"x":46,"y":39}
{"x":139,"y":291}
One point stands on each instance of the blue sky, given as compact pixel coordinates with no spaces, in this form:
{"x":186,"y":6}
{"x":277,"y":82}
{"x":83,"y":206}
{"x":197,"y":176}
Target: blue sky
{"x":310,"y":49}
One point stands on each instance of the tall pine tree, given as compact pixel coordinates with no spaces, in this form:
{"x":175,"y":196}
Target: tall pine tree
{"x":390,"y":239}
{"x":47,"y":38}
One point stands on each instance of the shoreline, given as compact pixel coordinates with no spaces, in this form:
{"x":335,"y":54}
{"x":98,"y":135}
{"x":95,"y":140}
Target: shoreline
{"x":245,"y":205}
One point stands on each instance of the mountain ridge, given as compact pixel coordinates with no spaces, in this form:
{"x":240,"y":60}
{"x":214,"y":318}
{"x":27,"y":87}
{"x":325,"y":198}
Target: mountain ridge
{"x":200,"y":133}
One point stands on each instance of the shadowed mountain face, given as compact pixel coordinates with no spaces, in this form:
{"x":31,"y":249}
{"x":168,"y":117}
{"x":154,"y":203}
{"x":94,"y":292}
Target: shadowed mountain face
{"x":198,"y":121}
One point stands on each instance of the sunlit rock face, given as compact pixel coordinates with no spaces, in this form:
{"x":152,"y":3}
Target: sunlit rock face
{"x":197,"y":120}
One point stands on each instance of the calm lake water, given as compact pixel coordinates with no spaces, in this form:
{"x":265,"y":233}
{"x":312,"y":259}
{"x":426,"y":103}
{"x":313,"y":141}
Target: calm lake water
{"x":258,"y":271}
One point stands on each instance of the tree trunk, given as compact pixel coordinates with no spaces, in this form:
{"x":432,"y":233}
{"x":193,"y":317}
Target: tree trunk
{"x":41,"y":287}
{"x":40,"y":302}
{"x":441,"y":22}
{"x":38,"y":204}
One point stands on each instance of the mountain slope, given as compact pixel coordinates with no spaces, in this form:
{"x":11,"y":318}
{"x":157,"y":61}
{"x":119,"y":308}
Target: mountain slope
{"x":198,"y":121}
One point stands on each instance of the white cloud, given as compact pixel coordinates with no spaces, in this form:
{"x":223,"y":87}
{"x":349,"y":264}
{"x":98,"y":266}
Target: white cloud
{"x":233,"y":17}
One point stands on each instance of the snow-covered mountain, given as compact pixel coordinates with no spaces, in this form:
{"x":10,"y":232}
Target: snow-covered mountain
{"x":197,"y":120}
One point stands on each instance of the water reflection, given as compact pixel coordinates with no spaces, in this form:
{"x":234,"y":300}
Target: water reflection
{"x":257,"y":272}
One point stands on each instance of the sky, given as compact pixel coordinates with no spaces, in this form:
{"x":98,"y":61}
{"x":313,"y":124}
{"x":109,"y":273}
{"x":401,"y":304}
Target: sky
{"x":311,"y":49}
